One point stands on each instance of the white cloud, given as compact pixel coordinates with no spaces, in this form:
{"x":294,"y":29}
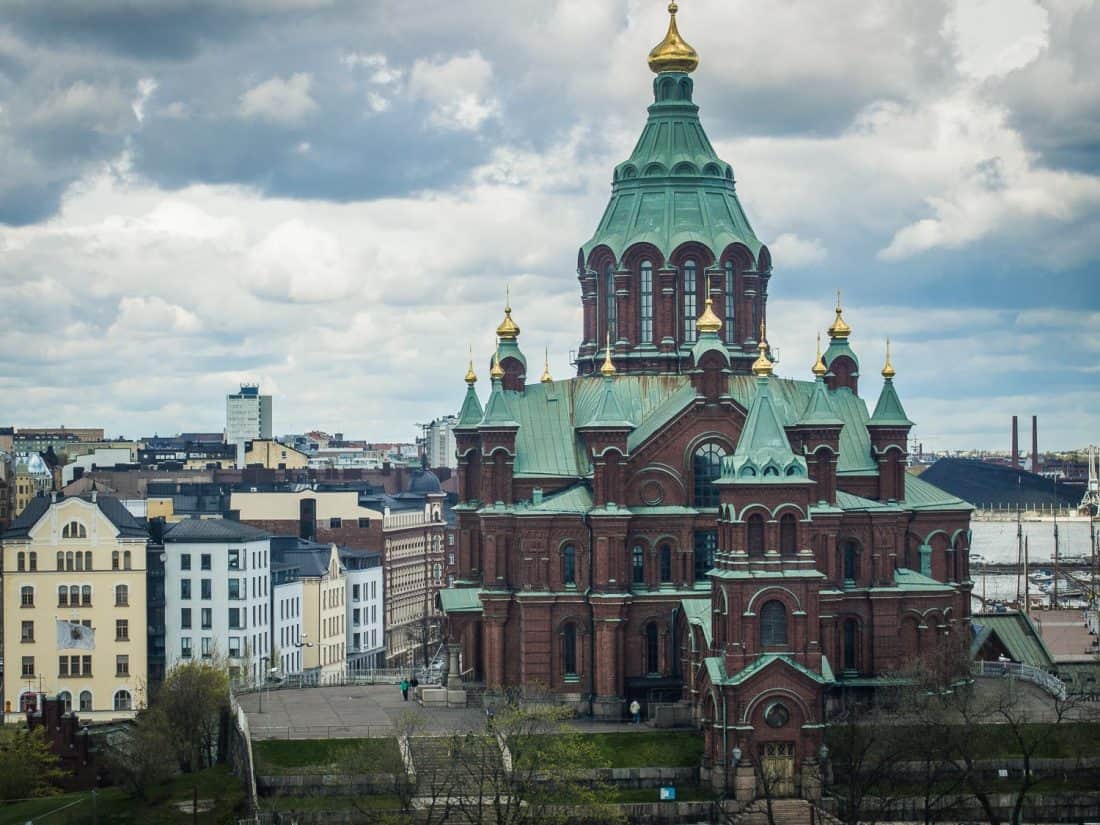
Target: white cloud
{"x":378,"y":66}
{"x":145,"y":89}
{"x":155,"y":315}
{"x":458,"y":89}
{"x":281,"y":101}
{"x":795,"y":252}
{"x":300,"y":263}
{"x":995,"y":37}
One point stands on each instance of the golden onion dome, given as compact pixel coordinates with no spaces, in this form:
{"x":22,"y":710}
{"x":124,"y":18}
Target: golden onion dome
{"x":471,"y":376}
{"x":888,"y":371}
{"x":819,"y":368}
{"x":762,"y":366}
{"x":608,"y":368}
{"x":508,"y":329}
{"x":839,"y":329}
{"x":497,"y":372}
{"x":673,"y":54}
{"x":708,"y":321}
{"x":546,"y":376}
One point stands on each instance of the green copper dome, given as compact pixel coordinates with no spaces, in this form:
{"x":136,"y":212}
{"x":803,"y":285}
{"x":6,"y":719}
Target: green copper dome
{"x":674,"y":188}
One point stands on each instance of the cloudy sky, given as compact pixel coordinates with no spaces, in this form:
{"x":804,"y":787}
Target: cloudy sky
{"x":328,"y":197}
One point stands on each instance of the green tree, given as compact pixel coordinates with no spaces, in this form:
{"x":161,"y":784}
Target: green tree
{"x":27,"y":765}
{"x":192,"y":699}
{"x":139,"y":759}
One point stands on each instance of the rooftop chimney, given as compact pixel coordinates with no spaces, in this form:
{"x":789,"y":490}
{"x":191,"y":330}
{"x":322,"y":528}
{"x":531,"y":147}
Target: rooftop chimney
{"x":1015,"y":443}
{"x":1035,"y":444}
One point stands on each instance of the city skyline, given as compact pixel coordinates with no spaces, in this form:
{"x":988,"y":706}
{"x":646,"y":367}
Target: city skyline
{"x":316,"y":198}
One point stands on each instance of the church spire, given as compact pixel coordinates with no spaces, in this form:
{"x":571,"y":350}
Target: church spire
{"x":819,"y":369}
{"x":762,"y":366}
{"x":888,"y":371}
{"x":608,"y":368}
{"x":708,"y":321}
{"x":508,"y":329}
{"x":471,"y":413}
{"x":839,"y":329}
{"x":889,"y":410}
{"x":673,"y":54}
{"x":547,"y":378}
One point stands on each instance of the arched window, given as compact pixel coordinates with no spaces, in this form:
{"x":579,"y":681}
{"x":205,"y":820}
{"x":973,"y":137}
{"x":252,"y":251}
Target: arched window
{"x":652,"y":650}
{"x":60,"y":560}
{"x":851,"y":629}
{"x":731,"y":302}
{"x":773,"y":624}
{"x":123,"y":700}
{"x":126,"y":560}
{"x":645,"y":292}
{"x":612,"y":313}
{"x":569,"y":650}
{"x":32,"y":561}
{"x":26,"y":596}
{"x":28,"y":702}
{"x":86,"y":595}
{"x":20,"y":561}
{"x":691,"y":278}
{"x":637,"y":564}
{"x":85,"y":700}
{"x":66,"y":700}
{"x":74,"y":596}
{"x":69,"y":560}
{"x":851,"y":561}
{"x":707,"y":466}
{"x":569,"y":564}
{"x":788,"y":535}
{"x":114,"y":560}
{"x":665,"y":554}
{"x":755,"y":535}
{"x":62,"y":596}
{"x":122,"y":595}
{"x":74,"y":530}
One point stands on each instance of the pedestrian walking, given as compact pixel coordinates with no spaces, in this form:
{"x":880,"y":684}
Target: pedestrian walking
{"x":636,"y":712}
{"x":405,"y":689}
{"x":489,"y":713}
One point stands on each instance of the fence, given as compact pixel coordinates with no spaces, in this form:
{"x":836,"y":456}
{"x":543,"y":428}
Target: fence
{"x":1051,"y":684}
{"x":374,"y":676}
{"x":377,"y":730}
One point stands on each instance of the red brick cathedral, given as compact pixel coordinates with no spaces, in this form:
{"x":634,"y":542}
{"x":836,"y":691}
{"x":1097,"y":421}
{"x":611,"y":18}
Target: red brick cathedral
{"x":676,"y":523}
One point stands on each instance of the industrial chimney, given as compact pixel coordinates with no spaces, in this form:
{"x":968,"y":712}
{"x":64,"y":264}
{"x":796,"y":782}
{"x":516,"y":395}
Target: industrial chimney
{"x":1035,"y":444}
{"x":1015,"y":443}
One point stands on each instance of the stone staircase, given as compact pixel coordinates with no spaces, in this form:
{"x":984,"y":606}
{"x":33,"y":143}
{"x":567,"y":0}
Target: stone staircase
{"x":475,"y":694}
{"x":784,"y":812}
{"x":465,"y":766}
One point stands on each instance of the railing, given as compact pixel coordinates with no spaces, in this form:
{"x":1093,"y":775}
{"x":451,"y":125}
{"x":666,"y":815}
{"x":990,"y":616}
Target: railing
{"x":1048,"y":682}
{"x":375,"y":731}
{"x":365,"y":676}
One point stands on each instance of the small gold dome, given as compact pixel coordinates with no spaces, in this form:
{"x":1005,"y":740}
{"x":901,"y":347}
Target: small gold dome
{"x":708,"y":321}
{"x":819,"y":368}
{"x":471,"y":376}
{"x":608,"y":369}
{"x":762,"y":366}
{"x":673,"y":54}
{"x":497,"y":372}
{"x":839,"y":329}
{"x":508,"y":329}
{"x":888,"y":371}
{"x":546,"y":376}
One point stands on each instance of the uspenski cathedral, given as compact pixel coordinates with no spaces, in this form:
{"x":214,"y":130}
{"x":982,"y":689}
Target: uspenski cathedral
{"x":677,"y":524}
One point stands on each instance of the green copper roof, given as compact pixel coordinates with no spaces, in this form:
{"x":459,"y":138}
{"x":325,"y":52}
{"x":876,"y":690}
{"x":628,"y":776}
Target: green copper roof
{"x":716,"y":669}
{"x":674,"y":187}
{"x":609,"y":412}
{"x":763,"y":451}
{"x":548,"y":415}
{"x":888,"y":410}
{"x":497,"y":412}
{"x":709,"y":342}
{"x":575,"y":499}
{"x":920,"y":495}
{"x":818,"y":410}
{"x":509,"y":348}
{"x":471,"y":413}
{"x":697,"y":612}
{"x":1017,"y":633}
{"x":906,"y":579}
{"x":460,"y":600}
{"x":838,"y":347}
{"x":849,"y":502}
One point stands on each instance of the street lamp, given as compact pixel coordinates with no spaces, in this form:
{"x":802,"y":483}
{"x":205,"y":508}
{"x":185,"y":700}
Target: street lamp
{"x":263,"y":680}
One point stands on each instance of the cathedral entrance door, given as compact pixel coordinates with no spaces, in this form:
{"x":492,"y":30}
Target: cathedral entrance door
{"x":777,"y":762}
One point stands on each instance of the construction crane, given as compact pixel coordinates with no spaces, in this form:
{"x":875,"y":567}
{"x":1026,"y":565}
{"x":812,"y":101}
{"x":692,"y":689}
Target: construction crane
{"x":1090,"y":502}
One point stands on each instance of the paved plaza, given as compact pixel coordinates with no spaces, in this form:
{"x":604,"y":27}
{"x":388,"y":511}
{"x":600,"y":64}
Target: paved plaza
{"x":362,"y":711}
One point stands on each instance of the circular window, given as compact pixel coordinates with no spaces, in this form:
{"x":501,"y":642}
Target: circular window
{"x":652,"y":493}
{"x":776,"y":715}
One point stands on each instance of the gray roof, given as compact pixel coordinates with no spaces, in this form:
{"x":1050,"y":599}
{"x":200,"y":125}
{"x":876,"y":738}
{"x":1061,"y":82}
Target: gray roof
{"x":213,"y":529}
{"x":112,"y":508}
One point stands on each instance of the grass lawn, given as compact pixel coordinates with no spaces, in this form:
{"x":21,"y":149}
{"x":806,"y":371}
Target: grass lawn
{"x":667,"y":749}
{"x":685,"y":793}
{"x":114,"y":806}
{"x":278,"y":756}
{"x":374,"y":802}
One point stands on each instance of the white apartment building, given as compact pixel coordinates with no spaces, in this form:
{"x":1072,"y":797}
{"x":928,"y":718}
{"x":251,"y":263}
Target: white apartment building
{"x":438,"y":442}
{"x":247,"y":415}
{"x":287,"y":639}
{"x":366,"y":643}
{"x":217,"y":592}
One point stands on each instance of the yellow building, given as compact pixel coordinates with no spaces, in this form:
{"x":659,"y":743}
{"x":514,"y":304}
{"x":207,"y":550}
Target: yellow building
{"x":274,"y":456}
{"x":324,"y":618}
{"x":74,"y":607}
